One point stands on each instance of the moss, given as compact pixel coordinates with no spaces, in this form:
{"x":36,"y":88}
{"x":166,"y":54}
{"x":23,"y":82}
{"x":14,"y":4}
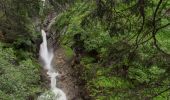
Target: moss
{"x":68,"y":51}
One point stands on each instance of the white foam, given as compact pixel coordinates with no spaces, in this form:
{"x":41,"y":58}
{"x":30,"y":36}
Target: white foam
{"x":47,"y":58}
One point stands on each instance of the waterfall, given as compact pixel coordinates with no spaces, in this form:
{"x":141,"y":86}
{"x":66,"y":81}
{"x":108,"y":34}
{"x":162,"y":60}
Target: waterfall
{"x":47,"y":57}
{"x":43,"y":2}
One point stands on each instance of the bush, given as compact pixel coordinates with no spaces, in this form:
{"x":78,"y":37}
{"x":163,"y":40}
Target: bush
{"x":19,"y":80}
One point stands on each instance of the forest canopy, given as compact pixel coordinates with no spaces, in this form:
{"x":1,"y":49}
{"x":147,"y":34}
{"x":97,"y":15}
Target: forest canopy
{"x":120,"y":48}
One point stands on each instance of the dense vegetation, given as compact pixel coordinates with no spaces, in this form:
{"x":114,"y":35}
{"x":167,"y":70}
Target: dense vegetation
{"x":19,"y":78}
{"x":121,"y":47}
{"x":19,"y":69}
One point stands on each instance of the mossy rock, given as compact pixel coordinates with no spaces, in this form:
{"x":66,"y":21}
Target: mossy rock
{"x":68,"y":51}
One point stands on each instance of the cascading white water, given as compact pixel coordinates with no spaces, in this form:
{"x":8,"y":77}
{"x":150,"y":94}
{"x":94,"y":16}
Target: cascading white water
{"x":47,"y":58}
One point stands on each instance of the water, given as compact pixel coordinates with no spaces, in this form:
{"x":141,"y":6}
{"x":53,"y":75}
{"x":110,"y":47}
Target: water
{"x":43,"y":2}
{"x":47,"y":57}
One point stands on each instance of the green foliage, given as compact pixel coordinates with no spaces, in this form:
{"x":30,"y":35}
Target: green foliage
{"x":18,"y":80}
{"x":68,"y":51}
{"x":163,"y":38}
{"x":18,"y":22}
{"x":75,"y":26}
{"x":110,"y":82}
{"x":100,"y":80}
{"x":87,"y":60}
{"x":143,"y":74}
{"x":138,"y":74}
{"x":119,"y":58}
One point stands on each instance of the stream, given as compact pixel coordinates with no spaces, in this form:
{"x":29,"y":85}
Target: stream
{"x":46,"y":55}
{"x":57,"y":72}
